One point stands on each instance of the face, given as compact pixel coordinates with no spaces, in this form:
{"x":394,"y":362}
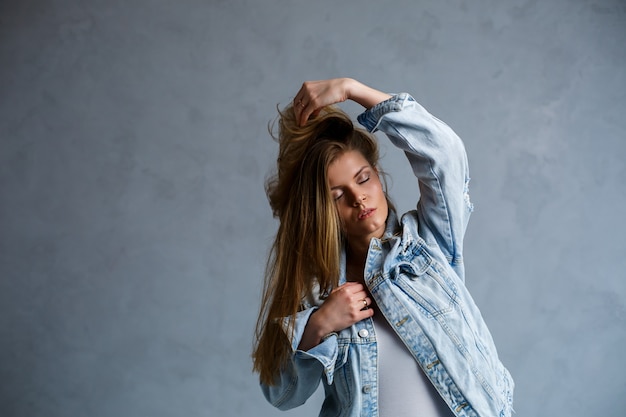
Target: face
{"x":359,"y":197}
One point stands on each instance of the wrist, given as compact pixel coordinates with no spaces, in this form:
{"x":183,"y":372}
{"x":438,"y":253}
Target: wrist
{"x":318,"y":323}
{"x":351,"y":87}
{"x":366,"y":96}
{"x":314,"y":332}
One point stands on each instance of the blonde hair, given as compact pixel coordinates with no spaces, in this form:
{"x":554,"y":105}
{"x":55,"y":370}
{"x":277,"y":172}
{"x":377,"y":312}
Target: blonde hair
{"x":307,"y":247}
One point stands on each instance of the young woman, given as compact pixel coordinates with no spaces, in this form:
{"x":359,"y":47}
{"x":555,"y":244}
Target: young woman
{"x":373,"y":306}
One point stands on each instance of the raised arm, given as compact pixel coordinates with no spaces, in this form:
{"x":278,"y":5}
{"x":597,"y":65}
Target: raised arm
{"x":438,"y":159}
{"x":435,"y":152}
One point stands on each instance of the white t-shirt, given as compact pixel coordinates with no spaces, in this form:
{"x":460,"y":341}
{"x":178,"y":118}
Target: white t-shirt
{"x":403,"y":388}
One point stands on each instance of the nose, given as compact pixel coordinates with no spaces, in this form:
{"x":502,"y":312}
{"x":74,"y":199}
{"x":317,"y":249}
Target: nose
{"x":359,"y":200}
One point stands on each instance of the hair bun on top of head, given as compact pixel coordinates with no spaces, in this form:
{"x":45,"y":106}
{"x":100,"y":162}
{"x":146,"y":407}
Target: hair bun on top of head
{"x":330,"y":122}
{"x":333,"y":126}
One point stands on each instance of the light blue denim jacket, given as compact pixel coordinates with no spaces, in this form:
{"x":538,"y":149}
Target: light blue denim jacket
{"x":415,"y":274}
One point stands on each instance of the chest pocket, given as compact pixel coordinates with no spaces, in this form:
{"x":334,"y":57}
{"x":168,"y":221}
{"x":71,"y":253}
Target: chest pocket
{"x":429,"y":287}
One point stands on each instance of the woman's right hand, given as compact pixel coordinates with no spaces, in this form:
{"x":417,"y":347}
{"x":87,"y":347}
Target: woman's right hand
{"x":344,"y":306}
{"x":314,"y":95}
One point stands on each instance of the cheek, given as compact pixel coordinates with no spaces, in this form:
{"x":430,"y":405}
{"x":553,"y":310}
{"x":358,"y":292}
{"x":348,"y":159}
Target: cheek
{"x":380,"y":196}
{"x":377,"y":189}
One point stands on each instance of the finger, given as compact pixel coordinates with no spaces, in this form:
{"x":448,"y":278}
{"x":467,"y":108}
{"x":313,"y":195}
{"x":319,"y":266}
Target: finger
{"x":349,"y":284}
{"x":309,"y":106}
{"x":363,"y":314}
{"x":358,"y":288}
{"x":299,"y":102}
{"x":305,"y":113}
{"x":362,"y":303}
{"x":314,"y":105}
{"x":359,"y":295}
{"x":297,"y":108}
{"x":303,"y":89}
{"x":342,"y":292}
{"x":355,"y":291}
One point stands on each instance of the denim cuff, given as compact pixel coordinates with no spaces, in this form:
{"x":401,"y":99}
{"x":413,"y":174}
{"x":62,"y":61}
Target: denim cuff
{"x":370,"y":118}
{"x":299,"y":323}
{"x":326,"y":353}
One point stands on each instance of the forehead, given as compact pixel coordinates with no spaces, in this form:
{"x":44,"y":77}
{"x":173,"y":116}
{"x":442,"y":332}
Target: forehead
{"x":345,"y":167}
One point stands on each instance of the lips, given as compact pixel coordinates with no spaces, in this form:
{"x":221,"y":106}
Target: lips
{"x":365,"y":213}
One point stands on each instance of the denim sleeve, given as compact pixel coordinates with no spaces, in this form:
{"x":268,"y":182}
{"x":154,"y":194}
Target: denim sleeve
{"x":438,"y":159}
{"x":301,"y":376}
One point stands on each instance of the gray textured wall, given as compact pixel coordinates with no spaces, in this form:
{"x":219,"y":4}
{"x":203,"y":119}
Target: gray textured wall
{"x":134,"y":225}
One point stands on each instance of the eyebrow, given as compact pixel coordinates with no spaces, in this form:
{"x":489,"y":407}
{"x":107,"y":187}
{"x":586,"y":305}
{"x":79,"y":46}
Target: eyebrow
{"x":355,"y":175}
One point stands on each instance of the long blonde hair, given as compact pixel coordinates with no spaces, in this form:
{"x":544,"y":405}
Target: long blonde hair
{"x":307,"y":247}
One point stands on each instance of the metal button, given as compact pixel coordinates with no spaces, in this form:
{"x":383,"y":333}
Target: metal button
{"x":363,"y":333}
{"x":366,"y":389}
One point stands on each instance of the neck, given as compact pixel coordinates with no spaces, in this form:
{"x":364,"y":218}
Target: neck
{"x":356,"y":253}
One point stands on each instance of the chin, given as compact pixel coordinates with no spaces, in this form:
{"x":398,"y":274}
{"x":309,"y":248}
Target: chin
{"x":378,"y":230}
{"x":381,"y":223}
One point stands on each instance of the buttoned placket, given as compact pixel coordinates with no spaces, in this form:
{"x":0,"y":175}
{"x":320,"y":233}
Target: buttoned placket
{"x":369,"y":372}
